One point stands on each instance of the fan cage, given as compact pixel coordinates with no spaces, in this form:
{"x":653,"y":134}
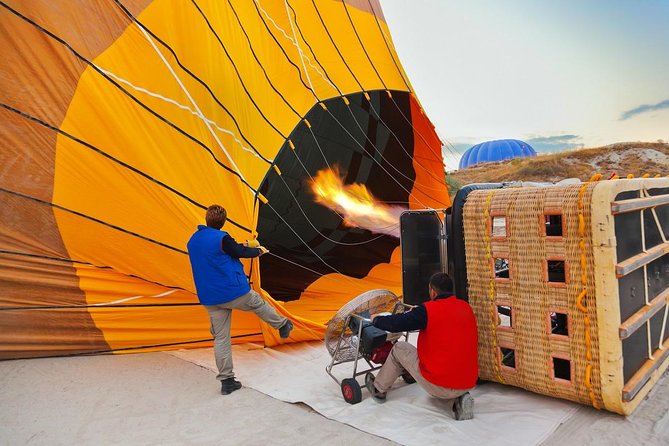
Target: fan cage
{"x":337,"y":331}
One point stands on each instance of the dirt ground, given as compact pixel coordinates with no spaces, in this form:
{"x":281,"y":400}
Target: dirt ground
{"x":155,"y":398}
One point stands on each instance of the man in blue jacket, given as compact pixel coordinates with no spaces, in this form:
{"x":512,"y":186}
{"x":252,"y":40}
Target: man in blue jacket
{"x":222,"y":286}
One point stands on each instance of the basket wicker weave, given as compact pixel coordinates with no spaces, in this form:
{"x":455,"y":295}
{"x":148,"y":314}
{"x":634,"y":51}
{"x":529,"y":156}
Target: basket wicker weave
{"x":583,"y":361}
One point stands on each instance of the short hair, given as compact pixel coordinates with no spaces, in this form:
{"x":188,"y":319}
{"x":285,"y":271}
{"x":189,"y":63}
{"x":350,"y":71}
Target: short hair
{"x":216,"y":216}
{"x":441,"y":283}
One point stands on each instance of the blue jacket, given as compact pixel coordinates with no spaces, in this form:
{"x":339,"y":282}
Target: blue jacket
{"x":219,"y":277}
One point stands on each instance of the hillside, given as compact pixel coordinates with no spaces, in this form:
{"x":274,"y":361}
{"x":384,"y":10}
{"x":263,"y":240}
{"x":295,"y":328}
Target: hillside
{"x":636,"y":158}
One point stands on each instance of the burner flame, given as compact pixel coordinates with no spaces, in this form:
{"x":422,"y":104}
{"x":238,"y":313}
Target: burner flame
{"x":355,"y":204}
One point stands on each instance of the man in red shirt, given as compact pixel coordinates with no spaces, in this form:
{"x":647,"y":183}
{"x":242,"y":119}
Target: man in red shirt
{"x":445,"y":364}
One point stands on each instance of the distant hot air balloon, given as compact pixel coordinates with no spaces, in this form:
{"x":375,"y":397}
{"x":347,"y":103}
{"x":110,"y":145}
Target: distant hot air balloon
{"x":498,"y":150}
{"x":122,"y":120}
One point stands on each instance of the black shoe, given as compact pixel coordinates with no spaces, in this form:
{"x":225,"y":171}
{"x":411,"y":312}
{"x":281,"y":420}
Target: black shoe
{"x":463,"y":408}
{"x":406,"y":376}
{"x":379,"y":397}
{"x":285,"y":329}
{"x":229,"y":385}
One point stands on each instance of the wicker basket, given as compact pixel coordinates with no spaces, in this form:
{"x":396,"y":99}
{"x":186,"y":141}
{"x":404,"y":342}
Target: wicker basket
{"x":556,"y":277}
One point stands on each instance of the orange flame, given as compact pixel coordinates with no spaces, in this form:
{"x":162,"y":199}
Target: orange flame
{"x":356,"y":205}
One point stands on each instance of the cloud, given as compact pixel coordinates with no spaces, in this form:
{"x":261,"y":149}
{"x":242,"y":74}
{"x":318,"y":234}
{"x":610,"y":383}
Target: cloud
{"x":452,"y":152}
{"x":557,"y":143}
{"x":458,"y":147}
{"x":644,"y":109}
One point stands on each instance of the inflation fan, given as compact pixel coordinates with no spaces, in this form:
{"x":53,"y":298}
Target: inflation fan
{"x":350,"y":336}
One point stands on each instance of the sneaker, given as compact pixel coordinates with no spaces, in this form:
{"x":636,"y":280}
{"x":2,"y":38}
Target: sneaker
{"x":229,"y":385}
{"x":285,"y":329}
{"x":463,"y":408}
{"x":379,"y":397}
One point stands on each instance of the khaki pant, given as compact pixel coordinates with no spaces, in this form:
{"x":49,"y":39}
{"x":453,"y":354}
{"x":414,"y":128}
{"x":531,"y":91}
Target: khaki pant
{"x":220,"y":316}
{"x":404,"y":356}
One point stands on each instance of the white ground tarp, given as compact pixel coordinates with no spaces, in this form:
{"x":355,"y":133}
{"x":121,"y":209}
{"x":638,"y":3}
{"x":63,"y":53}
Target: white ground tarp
{"x":296,"y":373}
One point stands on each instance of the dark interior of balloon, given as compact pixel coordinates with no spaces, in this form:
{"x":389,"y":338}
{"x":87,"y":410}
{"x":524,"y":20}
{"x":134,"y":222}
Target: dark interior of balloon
{"x":355,"y":138}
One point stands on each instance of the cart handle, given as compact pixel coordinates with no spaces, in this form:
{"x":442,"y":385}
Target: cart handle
{"x":362,"y":318}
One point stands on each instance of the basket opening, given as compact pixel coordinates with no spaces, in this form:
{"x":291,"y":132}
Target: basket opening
{"x":498,"y":226}
{"x":556,"y":271}
{"x":559,"y":324}
{"x":553,"y":225}
{"x":508,"y":357}
{"x":504,"y":316}
{"x":562,"y":369}
{"x":501,"y":268}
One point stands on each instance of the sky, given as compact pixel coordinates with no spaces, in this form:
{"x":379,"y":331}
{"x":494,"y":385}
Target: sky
{"x":558,"y":74}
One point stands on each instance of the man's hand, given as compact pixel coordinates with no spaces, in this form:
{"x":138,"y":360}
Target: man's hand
{"x":251,"y":243}
{"x":263,"y":250}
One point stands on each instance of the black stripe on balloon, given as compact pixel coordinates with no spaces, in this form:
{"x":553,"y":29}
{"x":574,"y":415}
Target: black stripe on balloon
{"x":392,"y":56}
{"x":141,"y":347}
{"x":299,"y":29}
{"x":290,"y":61}
{"x":346,"y":64}
{"x":349,"y":68}
{"x":96,"y":220}
{"x":327,"y":31}
{"x":328,"y":77}
{"x":313,"y":53}
{"x":342,"y":94}
{"x":81,"y":262}
{"x":241,"y":26}
{"x":133,"y":98}
{"x":399,"y":70}
{"x":106,"y":155}
{"x":350,"y":19}
{"x":355,"y":31}
{"x":357,"y":35}
{"x":325,"y":71}
{"x":316,"y":58}
{"x":193,"y":76}
{"x":239,"y":76}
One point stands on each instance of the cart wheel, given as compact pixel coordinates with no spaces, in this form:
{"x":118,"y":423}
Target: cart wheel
{"x":351,"y":391}
{"x":406,"y":376}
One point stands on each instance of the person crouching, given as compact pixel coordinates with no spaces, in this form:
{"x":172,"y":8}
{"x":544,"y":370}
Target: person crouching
{"x":445,"y":364}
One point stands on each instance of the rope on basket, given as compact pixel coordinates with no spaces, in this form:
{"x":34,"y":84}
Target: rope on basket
{"x":583,"y":294}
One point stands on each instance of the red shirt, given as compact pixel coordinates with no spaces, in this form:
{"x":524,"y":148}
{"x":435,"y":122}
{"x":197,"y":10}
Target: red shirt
{"x":448,"y":345}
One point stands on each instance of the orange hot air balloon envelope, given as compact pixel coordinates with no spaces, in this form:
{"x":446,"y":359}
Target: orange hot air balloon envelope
{"x":123,"y":120}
